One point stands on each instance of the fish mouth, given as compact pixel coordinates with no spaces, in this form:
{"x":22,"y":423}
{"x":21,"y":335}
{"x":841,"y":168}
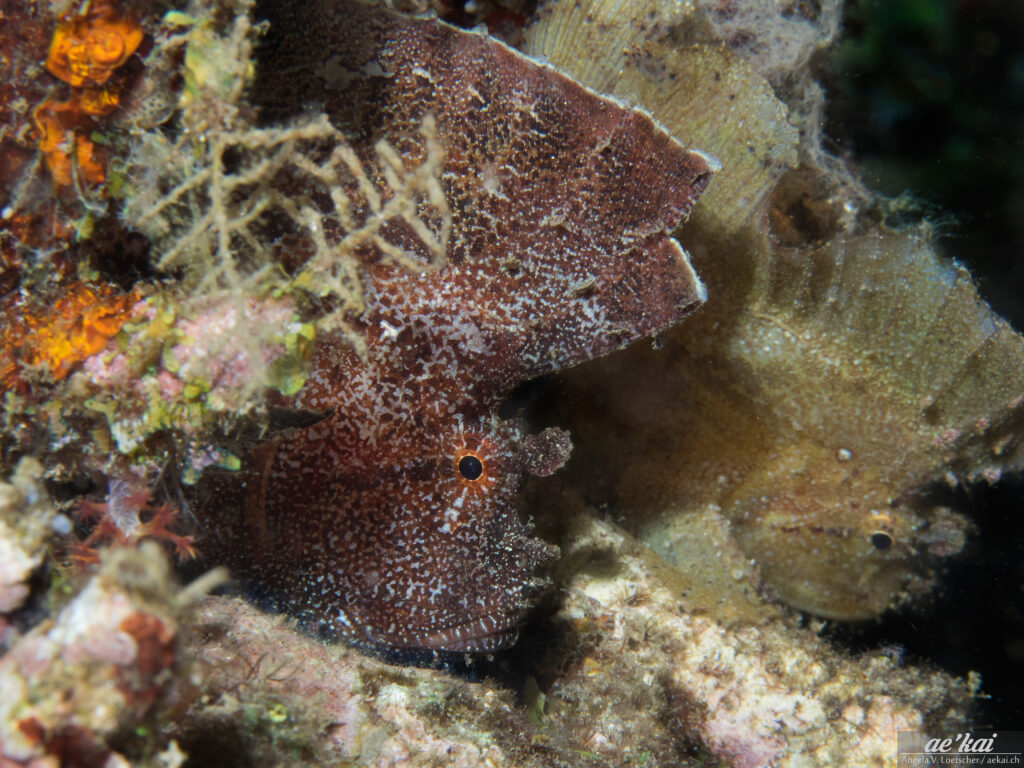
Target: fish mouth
{"x":484,"y":634}
{"x":473,"y":637}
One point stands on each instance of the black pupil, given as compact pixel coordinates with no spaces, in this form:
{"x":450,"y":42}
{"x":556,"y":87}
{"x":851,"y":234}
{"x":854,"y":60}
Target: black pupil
{"x":470,"y":467}
{"x":881,"y":540}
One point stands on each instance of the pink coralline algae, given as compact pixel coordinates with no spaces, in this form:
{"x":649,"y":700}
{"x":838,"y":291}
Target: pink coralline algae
{"x":388,"y":521}
{"x":68,"y":685}
{"x":25,"y":519}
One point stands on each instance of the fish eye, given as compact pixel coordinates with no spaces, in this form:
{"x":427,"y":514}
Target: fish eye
{"x":881,"y":540}
{"x":470,"y":467}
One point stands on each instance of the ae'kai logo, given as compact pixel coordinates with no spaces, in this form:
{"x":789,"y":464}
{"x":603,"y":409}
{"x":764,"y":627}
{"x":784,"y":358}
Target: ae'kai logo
{"x":963,"y":743}
{"x":984,"y":748}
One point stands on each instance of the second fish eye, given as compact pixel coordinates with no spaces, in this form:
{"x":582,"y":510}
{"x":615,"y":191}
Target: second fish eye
{"x":881,"y":540}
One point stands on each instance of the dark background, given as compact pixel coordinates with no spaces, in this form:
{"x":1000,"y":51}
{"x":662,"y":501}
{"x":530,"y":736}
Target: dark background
{"x":926,"y":97}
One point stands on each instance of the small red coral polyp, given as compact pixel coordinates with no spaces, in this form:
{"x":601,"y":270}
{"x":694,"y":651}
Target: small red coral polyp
{"x":129,"y":517}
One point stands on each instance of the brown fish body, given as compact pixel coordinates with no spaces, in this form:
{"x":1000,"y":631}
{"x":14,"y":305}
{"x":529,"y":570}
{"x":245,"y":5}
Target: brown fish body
{"x":390,"y":521}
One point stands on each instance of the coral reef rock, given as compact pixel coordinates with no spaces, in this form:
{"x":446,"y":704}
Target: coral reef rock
{"x":71,"y":685}
{"x":25,"y":519}
{"x":270,"y":693}
{"x":357,"y":235}
{"x":641,"y":662}
{"x":732,"y":672}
